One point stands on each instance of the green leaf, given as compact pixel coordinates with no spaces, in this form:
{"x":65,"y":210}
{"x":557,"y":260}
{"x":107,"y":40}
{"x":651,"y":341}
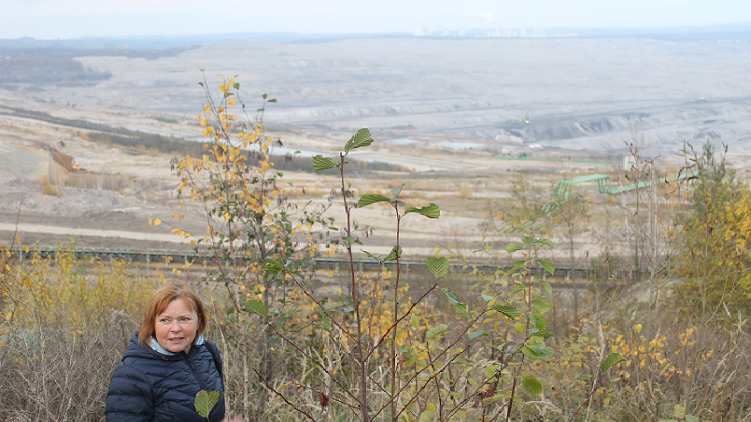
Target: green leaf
{"x":547,"y":242}
{"x":323,"y":163}
{"x":326,"y":322}
{"x":459,"y":307}
{"x":522,"y":227}
{"x":548,"y":288}
{"x":513,"y":247}
{"x":486,"y":297}
{"x":537,"y":352}
{"x":396,"y":191}
{"x":612,"y":359}
{"x":515,"y":292}
{"x":427,"y":415}
{"x":256,"y":307}
{"x":431,"y":210}
{"x":547,"y":265}
{"x":361,"y":139}
{"x":395,"y":253}
{"x":691,"y":418}
{"x":439,"y":266}
{"x":510,"y":311}
{"x":436,"y":331}
{"x":370,"y":199}
{"x":491,"y":370}
{"x":538,"y":320}
{"x":541,"y":305}
{"x":273,"y":267}
{"x":531,"y":384}
{"x":519,"y":265}
{"x":477,"y":334}
{"x":349,"y":240}
{"x":542,"y":334}
{"x":205,"y":401}
{"x":451,"y":295}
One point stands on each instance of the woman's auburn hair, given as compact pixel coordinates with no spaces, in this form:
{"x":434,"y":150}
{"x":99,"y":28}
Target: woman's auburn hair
{"x":161,"y":298}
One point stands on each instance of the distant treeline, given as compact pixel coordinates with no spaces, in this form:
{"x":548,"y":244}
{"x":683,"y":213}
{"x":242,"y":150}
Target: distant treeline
{"x":141,"y":142}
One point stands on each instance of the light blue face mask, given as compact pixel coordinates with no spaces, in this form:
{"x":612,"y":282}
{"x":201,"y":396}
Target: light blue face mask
{"x":159,"y":349}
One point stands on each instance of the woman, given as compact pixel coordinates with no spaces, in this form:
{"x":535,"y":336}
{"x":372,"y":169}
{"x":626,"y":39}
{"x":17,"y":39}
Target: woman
{"x":166,"y":363}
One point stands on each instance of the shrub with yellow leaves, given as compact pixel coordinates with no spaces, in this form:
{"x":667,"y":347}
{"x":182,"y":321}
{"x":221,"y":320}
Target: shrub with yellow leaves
{"x":64,"y":327}
{"x":249,"y":220}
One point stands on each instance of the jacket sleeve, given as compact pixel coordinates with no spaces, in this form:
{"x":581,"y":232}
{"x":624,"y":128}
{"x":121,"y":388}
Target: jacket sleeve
{"x":129,"y":396}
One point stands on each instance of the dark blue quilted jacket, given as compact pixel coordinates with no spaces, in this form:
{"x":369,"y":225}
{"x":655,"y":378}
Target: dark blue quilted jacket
{"x":150,"y":386}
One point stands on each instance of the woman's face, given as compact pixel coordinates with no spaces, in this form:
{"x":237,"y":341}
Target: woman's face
{"x":175,"y":328}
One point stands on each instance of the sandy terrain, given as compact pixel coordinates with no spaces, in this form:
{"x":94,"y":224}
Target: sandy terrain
{"x":578,"y":94}
{"x":444,"y":108}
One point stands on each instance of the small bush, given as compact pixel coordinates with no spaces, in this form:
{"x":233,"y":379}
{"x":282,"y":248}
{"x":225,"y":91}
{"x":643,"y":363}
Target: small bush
{"x":49,"y":189}
{"x":66,"y":323}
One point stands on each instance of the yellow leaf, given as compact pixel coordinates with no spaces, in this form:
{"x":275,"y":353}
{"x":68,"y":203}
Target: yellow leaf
{"x":157,"y":222}
{"x":207,"y":109}
{"x":231,"y":102}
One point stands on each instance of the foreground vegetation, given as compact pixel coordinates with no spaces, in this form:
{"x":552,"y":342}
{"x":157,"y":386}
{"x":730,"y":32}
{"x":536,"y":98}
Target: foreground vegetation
{"x":670,"y":345}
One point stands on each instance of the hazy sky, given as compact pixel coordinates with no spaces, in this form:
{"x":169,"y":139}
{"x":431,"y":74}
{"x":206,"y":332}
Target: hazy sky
{"x":49,"y":19}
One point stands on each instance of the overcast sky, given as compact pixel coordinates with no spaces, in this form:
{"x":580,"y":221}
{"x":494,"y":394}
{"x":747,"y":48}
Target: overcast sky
{"x":51,"y":19}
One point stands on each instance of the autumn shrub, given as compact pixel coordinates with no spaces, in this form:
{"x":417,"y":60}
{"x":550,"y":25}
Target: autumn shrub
{"x":697,"y":367}
{"x":250,"y":219}
{"x":49,"y":189}
{"x":74,"y":293}
{"x":714,"y":243}
{"x":66,"y":323}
